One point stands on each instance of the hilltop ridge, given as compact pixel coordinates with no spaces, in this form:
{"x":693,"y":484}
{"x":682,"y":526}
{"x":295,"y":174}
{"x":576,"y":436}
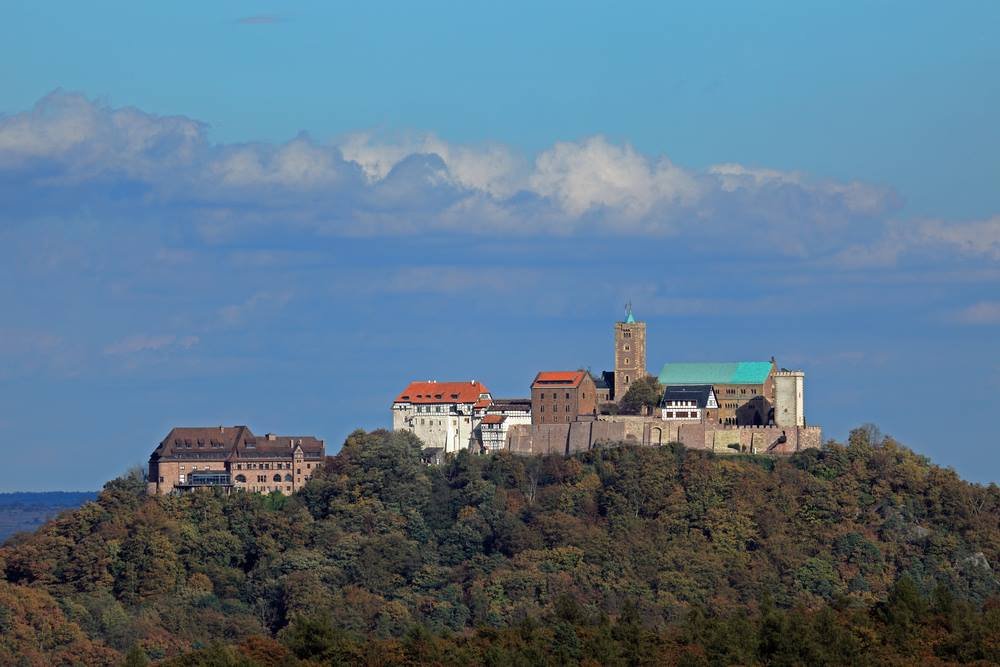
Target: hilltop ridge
{"x":618,"y":555}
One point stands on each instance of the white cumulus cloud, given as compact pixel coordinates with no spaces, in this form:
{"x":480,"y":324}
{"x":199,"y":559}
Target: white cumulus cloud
{"x":70,"y":153}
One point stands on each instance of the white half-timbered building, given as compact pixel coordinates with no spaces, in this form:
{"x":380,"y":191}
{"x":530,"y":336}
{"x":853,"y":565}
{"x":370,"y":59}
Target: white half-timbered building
{"x":441,"y":414}
{"x":689,"y":402}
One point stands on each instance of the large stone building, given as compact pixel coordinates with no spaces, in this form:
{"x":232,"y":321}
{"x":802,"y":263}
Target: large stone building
{"x":743,"y":389}
{"x":559,"y":397}
{"x":232,"y":457}
{"x":443,"y":415}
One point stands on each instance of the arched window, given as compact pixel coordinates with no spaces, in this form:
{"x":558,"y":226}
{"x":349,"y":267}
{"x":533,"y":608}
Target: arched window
{"x":288,"y":478}
{"x":241,"y":478}
{"x":277,"y":478}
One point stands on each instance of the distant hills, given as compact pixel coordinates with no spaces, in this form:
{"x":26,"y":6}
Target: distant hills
{"x":857,"y":553}
{"x":26,"y":511}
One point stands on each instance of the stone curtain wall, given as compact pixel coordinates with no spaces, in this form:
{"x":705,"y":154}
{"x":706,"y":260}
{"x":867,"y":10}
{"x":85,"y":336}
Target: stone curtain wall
{"x":584,"y":435}
{"x":565,"y":439}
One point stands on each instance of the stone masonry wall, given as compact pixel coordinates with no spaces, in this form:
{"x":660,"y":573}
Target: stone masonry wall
{"x":584,"y":435}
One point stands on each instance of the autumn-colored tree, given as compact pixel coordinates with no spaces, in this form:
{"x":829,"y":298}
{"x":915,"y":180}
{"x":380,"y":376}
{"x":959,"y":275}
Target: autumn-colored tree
{"x":621,"y":555}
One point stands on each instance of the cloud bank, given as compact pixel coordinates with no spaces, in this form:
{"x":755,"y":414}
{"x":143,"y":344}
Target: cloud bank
{"x":70,"y":154}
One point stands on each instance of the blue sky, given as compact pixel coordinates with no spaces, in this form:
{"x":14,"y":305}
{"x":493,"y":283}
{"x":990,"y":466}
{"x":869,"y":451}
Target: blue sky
{"x":278,"y":214}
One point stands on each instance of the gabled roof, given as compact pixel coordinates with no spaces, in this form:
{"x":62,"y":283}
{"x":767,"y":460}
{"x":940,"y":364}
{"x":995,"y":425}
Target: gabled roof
{"x":739,"y":372}
{"x":698,"y":393}
{"x":442,"y":392}
{"x":277,"y":445}
{"x":219,"y":443}
{"x":606,"y":380}
{"x":201,"y":442}
{"x":559,"y":379}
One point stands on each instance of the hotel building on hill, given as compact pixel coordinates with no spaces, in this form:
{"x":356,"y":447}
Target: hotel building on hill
{"x":232,"y":457}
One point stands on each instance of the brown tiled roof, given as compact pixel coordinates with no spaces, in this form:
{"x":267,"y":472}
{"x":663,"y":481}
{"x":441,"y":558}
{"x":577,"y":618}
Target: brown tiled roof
{"x":222,"y":442}
{"x":271,"y":445}
{"x":442,"y":392}
{"x":212,"y":442}
{"x":559,"y":378}
{"x":493,"y":419}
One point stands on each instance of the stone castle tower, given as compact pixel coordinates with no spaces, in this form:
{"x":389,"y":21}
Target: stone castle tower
{"x":630,"y":353}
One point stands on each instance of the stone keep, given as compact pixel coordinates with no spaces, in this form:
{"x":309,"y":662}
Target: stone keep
{"x":788,"y":405}
{"x":630,"y":354}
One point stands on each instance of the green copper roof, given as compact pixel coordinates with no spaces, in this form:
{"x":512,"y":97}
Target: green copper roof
{"x":628,"y":309}
{"x":740,"y":372}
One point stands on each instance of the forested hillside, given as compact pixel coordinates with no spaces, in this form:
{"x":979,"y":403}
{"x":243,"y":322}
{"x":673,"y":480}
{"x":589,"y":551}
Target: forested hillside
{"x":861,"y":553}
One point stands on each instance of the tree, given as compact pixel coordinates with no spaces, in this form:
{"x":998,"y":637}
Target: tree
{"x":643,"y":395}
{"x":136,"y":657}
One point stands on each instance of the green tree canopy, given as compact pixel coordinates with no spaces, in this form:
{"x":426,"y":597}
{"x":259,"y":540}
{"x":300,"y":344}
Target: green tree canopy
{"x":642,"y":397}
{"x":620,"y":555}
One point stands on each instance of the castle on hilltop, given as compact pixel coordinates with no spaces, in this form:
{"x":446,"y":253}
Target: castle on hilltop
{"x":743,"y":406}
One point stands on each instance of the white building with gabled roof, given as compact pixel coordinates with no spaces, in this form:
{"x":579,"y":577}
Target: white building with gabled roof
{"x":441,"y":414}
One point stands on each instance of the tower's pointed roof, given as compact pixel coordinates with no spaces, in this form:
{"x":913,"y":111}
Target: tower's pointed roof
{"x":629,"y":318}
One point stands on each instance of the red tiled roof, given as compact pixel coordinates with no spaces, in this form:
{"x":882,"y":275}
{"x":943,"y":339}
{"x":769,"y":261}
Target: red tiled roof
{"x":483,"y":403}
{"x":563,"y":378}
{"x":442,"y":392}
{"x":493,"y":419}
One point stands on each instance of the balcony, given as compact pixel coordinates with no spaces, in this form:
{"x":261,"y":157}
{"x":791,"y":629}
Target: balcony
{"x":203,"y":479}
